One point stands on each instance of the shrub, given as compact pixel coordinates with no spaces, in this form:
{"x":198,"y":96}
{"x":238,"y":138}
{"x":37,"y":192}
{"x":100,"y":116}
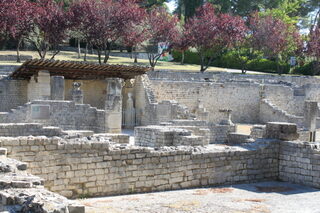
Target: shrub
{"x":230,"y":60}
{"x":189,"y":57}
{"x":306,"y":69}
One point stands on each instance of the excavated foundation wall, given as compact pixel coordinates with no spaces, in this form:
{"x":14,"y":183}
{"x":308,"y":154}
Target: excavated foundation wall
{"x":299,"y":162}
{"x":96,"y":169}
{"x":76,"y":169}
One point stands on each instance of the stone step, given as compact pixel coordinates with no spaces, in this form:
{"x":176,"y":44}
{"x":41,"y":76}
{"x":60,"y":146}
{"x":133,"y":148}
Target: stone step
{"x":237,"y":138}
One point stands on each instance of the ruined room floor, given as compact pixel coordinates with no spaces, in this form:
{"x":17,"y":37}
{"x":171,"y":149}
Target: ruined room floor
{"x":275,"y":197}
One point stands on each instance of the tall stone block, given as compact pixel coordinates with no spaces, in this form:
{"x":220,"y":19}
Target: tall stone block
{"x":57,"y":88}
{"x":39,"y":86}
{"x":113,"y":105}
{"x":282,"y":131}
{"x":310,"y":118}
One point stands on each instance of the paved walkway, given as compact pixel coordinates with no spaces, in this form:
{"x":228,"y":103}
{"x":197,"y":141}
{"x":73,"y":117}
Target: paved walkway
{"x":267,"y":197}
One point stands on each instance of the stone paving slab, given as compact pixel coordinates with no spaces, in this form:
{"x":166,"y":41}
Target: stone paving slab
{"x":266,"y":197}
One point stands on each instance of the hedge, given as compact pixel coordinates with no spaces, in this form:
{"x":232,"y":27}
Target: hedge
{"x":229,"y":60}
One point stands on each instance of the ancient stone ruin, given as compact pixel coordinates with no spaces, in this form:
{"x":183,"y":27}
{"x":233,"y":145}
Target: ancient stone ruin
{"x":72,"y":130}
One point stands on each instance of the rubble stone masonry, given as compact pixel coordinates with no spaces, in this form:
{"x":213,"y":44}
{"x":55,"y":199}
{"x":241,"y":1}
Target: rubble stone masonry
{"x":96,"y":168}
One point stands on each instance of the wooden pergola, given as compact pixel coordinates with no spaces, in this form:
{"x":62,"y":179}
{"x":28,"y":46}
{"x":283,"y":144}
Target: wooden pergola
{"x":77,"y":70}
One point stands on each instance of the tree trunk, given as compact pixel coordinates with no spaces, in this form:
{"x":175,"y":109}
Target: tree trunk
{"x":99,"y":56}
{"x":131,"y":55}
{"x":278,"y":66}
{"x":243,"y":70}
{"x":85,"y":52}
{"x":135,"y":58}
{"x":182,"y":58}
{"x":135,"y":55}
{"x":79,"y":49}
{"x":202,"y":61}
{"x":151,"y":60}
{"x":107,"y":52}
{"x":18,"y":50}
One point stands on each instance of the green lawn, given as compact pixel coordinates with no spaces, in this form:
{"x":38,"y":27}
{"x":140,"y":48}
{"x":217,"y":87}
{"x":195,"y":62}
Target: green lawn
{"x":72,"y":56}
{"x":172,"y":66}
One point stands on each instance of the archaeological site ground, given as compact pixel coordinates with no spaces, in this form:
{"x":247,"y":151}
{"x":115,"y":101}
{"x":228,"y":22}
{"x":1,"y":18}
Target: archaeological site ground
{"x":71,"y":131}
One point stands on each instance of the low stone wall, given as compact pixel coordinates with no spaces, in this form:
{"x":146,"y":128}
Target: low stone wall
{"x":270,"y":113}
{"x":225,"y":76}
{"x":216,"y":133}
{"x":117,"y":138}
{"x":64,"y":114}
{"x":299,"y":162}
{"x":23,"y":192}
{"x":258,"y":131}
{"x":13,"y":93}
{"x":96,"y":168}
{"x":158,"y":136}
{"x":26,"y":129}
{"x":219,"y":133}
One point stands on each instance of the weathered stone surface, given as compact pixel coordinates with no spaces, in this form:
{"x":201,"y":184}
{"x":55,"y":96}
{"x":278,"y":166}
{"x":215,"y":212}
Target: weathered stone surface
{"x":282,"y":131}
{"x":76,"y":209}
{"x":24,"y":193}
{"x":106,"y":168}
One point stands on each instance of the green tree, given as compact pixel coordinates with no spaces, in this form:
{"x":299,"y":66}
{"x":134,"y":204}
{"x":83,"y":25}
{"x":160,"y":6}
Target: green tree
{"x":187,"y":8}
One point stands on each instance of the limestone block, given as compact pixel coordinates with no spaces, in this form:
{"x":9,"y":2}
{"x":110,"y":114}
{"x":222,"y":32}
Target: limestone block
{"x":57,"y":88}
{"x":237,"y":138}
{"x":282,"y":131}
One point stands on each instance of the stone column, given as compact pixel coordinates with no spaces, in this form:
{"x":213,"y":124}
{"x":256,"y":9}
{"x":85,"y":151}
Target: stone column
{"x":310,"y":118}
{"x":57,"y":88}
{"x":113,"y":105}
{"x":39,"y":86}
{"x":77,"y":94}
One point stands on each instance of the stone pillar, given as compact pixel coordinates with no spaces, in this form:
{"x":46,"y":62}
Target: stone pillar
{"x":77,"y":94}
{"x":57,"y":88}
{"x":129,"y":115}
{"x":39,"y":86}
{"x":113,"y":105}
{"x":310,"y":118}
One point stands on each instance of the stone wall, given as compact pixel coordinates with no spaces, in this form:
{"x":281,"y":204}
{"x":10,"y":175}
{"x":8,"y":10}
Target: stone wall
{"x":26,"y":129}
{"x":299,"y":162}
{"x":216,"y":133}
{"x":94,"y":91}
{"x":270,"y":112}
{"x":285,"y":98}
{"x":224,"y":76}
{"x":13,"y":93}
{"x":23,"y":192}
{"x":64,"y":114}
{"x":241,"y":98}
{"x":158,"y":136}
{"x":97,"y":168}
{"x":219,"y":133}
{"x":151,"y":112}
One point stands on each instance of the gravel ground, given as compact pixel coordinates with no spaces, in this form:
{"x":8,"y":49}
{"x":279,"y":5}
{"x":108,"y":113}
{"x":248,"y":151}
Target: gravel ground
{"x":263,"y":197}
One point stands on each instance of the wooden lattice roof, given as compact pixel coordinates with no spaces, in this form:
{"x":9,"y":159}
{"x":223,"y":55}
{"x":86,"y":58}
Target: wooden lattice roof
{"x":77,"y":70}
